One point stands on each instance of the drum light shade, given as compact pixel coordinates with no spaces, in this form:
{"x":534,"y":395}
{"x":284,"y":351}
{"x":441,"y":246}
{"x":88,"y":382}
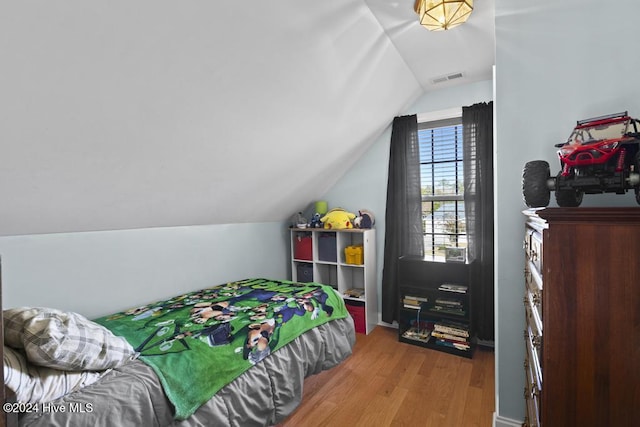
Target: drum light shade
{"x":321,"y":207}
{"x":438,"y":15}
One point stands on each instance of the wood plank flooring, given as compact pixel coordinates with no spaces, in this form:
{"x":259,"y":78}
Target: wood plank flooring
{"x":388,"y":383}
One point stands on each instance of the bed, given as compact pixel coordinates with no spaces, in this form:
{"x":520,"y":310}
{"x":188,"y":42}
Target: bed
{"x":233,"y":354}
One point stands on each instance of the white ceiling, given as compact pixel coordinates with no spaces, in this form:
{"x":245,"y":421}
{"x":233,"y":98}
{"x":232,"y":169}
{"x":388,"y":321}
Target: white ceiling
{"x":120,"y":114}
{"x":468,"y":49}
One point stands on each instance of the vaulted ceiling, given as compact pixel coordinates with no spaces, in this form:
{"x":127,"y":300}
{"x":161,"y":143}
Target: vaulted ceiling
{"x":121,"y":114}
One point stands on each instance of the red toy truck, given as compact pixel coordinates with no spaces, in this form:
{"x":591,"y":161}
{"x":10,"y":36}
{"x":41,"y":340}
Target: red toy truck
{"x":602,"y":155}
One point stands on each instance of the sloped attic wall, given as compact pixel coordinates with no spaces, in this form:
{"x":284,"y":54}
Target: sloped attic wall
{"x":120,"y":115}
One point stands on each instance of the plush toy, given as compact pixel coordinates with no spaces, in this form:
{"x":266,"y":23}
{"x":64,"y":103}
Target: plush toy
{"x":338,"y":218}
{"x":298,"y":220}
{"x":315,"y":221}
{"x":364,"y":219}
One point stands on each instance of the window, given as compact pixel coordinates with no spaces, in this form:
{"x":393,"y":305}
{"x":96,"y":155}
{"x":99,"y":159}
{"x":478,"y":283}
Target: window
{"x":442,"y":184}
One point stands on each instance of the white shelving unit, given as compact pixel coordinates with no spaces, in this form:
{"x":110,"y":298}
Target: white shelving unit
{"x":328,"y":265}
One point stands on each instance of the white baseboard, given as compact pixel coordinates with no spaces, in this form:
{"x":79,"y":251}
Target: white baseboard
{"x":388,"y":325}
{"x":505,"y":422}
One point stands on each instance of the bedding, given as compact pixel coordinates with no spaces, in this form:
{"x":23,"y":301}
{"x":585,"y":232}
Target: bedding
{"x":302,"y":328}
{"x":224,"y":329}
{"x":63,"y":340}
{"x":265,"y":395}
{"x":34,"y":384}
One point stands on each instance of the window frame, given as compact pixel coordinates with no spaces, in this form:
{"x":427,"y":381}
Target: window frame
{"x":448,"y":118}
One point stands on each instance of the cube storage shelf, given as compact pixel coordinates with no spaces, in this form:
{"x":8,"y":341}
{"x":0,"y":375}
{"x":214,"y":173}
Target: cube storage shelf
{"x":318,"y":255}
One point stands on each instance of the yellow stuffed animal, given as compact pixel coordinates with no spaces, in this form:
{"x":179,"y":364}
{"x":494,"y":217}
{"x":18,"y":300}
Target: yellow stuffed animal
{"x":338,"y":218}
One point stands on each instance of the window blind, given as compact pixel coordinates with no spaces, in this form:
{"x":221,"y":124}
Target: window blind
{"x":442,"y":184}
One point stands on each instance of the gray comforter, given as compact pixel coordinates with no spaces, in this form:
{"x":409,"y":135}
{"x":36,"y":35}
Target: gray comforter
{"x":266,"y":394}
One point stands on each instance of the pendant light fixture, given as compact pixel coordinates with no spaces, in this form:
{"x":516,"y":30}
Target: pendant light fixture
{"x":438,"y":15}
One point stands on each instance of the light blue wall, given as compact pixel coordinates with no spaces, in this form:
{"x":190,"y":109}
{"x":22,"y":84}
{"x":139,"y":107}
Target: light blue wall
{"x":365,"y":184}
{"x":96,"y":273}
{"x":556,"y":62}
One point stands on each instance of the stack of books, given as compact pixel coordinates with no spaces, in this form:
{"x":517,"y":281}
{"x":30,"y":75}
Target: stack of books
{"x":452,"y":287}
{"x":414,"y":302}
{"x":449,"y":305}
{"x":451,"y":334}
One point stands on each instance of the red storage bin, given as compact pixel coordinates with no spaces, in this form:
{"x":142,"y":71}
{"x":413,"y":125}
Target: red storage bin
{"x":356,"y":310}
{"x":303,"y":248}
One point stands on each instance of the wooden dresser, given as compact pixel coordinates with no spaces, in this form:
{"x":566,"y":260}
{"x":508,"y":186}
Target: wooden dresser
{"x":582,"y":309}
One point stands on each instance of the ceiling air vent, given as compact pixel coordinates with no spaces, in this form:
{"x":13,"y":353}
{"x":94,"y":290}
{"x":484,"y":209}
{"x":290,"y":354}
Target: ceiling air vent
{"x":447,"y":78}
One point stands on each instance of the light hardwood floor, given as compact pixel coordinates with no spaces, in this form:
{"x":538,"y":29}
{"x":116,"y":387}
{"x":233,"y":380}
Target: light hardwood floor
{"x":388,"y":383}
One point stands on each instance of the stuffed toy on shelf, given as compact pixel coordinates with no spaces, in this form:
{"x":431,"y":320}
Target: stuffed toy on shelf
{"x":364,"y":219}
{"x":315,"y":221}
{"x":338,"y":219}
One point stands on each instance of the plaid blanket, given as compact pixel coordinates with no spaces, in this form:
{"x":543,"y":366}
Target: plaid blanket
{"x":199,"y":342}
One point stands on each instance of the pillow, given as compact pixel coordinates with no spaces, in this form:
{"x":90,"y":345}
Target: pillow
{"x":64,"y":340}
{"x":37,"y":384}
{"x":14,"y":320}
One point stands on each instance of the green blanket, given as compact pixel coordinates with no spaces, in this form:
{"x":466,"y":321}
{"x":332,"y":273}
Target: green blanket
{"x":199,"y":342}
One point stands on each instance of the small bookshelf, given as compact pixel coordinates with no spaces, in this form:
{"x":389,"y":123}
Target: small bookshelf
{"x":434,"y":306}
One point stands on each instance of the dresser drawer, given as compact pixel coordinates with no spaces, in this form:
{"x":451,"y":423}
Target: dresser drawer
{"x":535,"y":251}
{"x":533,"y":344}
{"x":526,"y":244}
{"x":533,"y":386}
{"x":533,"y":412}
{"x":533,"y":296}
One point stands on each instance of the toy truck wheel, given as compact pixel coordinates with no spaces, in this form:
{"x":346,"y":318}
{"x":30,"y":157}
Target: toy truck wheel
{"x":569,"y":198}
{"x":535,"y":190}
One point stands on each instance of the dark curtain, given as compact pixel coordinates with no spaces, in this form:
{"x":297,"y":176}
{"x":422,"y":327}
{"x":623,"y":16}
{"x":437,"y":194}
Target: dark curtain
{"x":403,"y":227}
{"x":477,"y":125}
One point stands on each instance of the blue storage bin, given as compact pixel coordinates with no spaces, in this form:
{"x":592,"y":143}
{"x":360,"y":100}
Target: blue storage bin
{"x":305,"y":273}
{"x":327,"y":247}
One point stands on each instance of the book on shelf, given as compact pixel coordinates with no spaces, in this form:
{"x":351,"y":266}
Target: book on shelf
{"x":452,"y":287}
{"x":452,"y":328}
{"x":452,"y":331}
{"x":355,"y":292}
{"x":457,"y":346}
{"x":457,"y":311}
{"x":410,"y":302}
{"x":416,"y":298}
{"x":449,"y":337}
{"x":445,"y":305}
{"x":417,"y":334}
{"x":412,"y":306}
{"x":449,"y":302}
{"x":454,"y":324}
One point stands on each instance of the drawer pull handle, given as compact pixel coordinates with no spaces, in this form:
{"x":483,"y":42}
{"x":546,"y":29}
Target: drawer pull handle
{"x":534,"y":390}
{"x":530,"y":391}
{"x":537,"y":341}
{"x":536,"y":298}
